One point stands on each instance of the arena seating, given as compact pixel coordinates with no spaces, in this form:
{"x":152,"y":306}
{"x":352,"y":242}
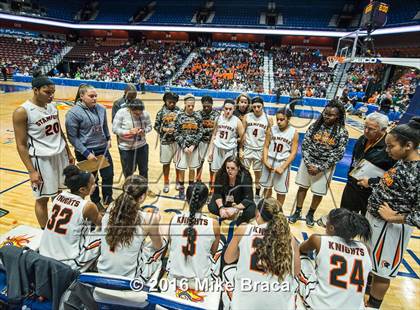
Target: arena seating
{"x":85,"y":47}
{"x":27,"y":53}
{"x":155,"y":61}
{"x":306,"y":68}
{"x":235,"y":12}
{"x":235,"y":69}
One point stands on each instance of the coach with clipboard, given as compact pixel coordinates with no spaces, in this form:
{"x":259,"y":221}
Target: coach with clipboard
{"x":368,"y":160}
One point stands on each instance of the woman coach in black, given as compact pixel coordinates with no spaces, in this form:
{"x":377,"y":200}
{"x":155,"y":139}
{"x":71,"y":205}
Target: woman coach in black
{"x":371,"y":147}
{"x":233,"y":196}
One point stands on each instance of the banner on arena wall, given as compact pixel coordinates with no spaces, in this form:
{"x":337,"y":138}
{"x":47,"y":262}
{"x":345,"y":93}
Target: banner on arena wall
{"x":230,"y":45}
{"x":18,"y":32}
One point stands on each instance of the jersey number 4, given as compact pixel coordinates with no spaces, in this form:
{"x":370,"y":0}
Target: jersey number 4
{"x":59,"y":218}
{"x":356,"y":275}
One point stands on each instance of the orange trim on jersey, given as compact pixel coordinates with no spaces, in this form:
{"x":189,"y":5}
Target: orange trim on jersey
{"x":379,"y":251}
{"x":302,"y":279}
{"x":94,"y":244}
{"x":397,"y":257}
{"x":217,"y":256}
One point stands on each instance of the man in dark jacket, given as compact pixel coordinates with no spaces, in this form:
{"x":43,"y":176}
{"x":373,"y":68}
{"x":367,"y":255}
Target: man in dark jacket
{"x":130,"y":93}
{"x":371,"y":147}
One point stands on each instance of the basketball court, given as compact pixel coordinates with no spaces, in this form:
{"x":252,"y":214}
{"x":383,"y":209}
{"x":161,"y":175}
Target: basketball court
{"x":17,"y":203}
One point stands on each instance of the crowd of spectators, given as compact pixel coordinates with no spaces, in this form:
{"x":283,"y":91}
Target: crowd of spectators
{"x":25,"y":55}
{"x":225,"y":68}
{"x":364,"y":85}
{"x":300,"y":68}
{"x":151,"y":61}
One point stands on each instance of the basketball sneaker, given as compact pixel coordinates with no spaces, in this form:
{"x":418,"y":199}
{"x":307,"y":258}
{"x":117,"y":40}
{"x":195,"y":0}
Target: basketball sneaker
{"x":166,"y":188}
{"x":310,"y":220}
{"x":295,"y":216}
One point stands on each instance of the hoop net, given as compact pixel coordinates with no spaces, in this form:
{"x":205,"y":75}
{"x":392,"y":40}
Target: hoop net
{"x":334,"y":60}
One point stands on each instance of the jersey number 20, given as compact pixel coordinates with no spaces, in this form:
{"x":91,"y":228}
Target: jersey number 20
{"x":356,"y":275}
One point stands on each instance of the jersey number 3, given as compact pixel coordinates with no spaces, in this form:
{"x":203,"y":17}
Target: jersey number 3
{"x":59,"y":217}
{"x":356,"y":276}
{"x":189,"y":249}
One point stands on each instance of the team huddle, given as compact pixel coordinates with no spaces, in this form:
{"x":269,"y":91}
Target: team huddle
{"x":131,"y":241}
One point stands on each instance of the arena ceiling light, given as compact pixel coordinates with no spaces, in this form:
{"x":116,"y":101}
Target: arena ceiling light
{"x":337,"y":34}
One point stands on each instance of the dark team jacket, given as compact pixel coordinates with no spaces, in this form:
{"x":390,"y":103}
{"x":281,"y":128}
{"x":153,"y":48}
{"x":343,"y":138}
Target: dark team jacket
{"x":165,"y":118}
{"x":209,"y":120}
{"x":376,"y":154}
{"x":399,"y":187}
{"x":188,"y":129}
{"x":325,"y":148}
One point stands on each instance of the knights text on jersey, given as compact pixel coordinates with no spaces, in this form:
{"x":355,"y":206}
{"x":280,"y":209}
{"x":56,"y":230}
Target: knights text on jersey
{"x":342,"y":270}
{"x":199,"y":264}
{"x":65,"y":237}
{"x":43,"y":129}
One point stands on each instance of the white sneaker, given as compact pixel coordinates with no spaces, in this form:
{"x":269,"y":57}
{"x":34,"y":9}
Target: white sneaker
{"x":166,"y":188}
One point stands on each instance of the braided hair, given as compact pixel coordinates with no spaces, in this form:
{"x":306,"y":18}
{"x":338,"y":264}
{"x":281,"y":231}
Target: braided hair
{"x":197,"y":194}
{"x":124,"y":217}
{"x":341,"y":122}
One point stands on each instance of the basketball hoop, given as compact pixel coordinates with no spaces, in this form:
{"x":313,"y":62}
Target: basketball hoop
{"x":334,"y":60}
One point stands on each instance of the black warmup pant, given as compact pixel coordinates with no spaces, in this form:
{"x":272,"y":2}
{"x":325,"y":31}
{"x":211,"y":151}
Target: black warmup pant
{"x":133,"y":159}
{"x":355,"y":198}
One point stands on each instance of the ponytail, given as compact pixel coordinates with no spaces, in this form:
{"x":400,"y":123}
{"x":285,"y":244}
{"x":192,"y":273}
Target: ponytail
{"x":197,"y":195}
{"x":124,"y":217}
{"x":348,"y":225}
{"x":81,"y":91}
{"x":274,"y":251}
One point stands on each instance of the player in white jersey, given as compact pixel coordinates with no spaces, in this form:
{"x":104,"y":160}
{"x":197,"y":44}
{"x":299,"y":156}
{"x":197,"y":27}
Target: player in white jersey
{"x":338,"y":281}
{"x":41,"y":144}
{"x":256,"y":126}
{"x":194,"y":238}
{"x":280,"y":149}
{"x":267,"y":259}
{"x":224,"y":141}
{"x":66,"y":236}
{"x":124,"y":230}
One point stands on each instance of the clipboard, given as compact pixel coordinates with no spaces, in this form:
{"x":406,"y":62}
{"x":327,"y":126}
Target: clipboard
{"x":94,"y":165}
{"x":365,"y":169}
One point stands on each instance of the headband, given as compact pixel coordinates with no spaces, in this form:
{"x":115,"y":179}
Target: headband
{"x":266,"y":216}
{"x":40,"y":81}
